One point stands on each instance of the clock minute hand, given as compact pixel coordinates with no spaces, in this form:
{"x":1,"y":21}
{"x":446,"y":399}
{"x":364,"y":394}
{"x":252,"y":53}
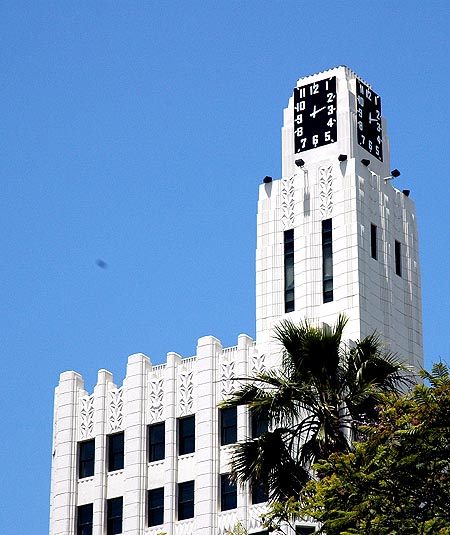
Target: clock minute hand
{"x":315,"y":111}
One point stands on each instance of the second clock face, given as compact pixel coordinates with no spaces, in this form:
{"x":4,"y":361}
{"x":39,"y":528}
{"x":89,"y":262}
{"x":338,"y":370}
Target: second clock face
{"x":370,"y":130}
{"x":315,"y":119}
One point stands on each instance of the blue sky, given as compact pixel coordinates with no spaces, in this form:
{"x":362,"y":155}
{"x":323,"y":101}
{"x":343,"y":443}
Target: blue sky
{"x":137,"y":133}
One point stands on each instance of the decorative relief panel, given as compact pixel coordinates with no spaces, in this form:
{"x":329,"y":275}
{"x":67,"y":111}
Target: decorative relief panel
{"x":185,"y":393}
{"x":326,"y":190}
{"x":287,"y":202}
{"x":257,"y":363}
{"x":86,"y":417}
{"x":227,"y":374}
{"x":184,"y":527}
{"x":155,"y":399}
{"x":226,"y":522}
{"x":115,"y":410}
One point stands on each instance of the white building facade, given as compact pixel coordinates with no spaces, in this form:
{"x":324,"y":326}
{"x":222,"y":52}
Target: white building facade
{"x":334,"y":236}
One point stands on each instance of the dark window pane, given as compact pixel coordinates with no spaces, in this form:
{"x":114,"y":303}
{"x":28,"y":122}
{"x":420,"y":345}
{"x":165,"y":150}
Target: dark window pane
{"x":259,"y":423}
{"x":228,"y":493}
{"x":304,"y":530}
{"x":155,"y":507}
{"x":86,"y":458}
{"x":228,"y":425}
{"x":186,"y":434}
{"x":156,"y":442}
{"x":398,"y":258}
{"x":84,"y":519}
{"x":185,"y":500}
{"x":259,"y":494}
{"x":115,"y":452}
{"x":327,"y":260}
{"x":114,"y":516}
{"x":373,"y":241}
{"x":289,"y":283}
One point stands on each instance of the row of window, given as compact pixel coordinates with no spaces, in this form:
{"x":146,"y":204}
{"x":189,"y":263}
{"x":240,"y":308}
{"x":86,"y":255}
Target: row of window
{"x":155,"y":506}
{"x":327,"y":262}
{"x":157,"y":442}
{"x":374,"y":249}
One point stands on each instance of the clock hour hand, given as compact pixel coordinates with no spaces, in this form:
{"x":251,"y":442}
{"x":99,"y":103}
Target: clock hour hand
{"x":372,"y":120}
{"x":316,"y":111}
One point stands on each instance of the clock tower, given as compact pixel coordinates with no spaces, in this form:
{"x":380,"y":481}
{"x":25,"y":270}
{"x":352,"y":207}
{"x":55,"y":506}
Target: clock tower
{"x":334,"y":235}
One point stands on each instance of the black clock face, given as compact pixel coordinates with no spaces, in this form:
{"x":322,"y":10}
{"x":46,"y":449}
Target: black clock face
{"x":368,"y":109}
{"x":315,"y":122}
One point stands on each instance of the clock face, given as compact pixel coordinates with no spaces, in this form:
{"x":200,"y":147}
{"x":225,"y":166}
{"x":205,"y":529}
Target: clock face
{"x":315,"y":120}
{"x":368,"y":109}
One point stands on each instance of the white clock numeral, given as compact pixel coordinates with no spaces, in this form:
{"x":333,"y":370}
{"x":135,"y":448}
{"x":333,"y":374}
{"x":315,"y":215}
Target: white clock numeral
{"x":363,"y":139}
{"x":315,"y":140}
{"x":301,"y":92}
{"x":314,"y":88}
{"x":377,"y":150}
{"x":299,"y":118}
{"x":300,"y":106}
{"x":379,"y":140}
{"x":331,"y":110}
{"x":299,"y":131}
{"x":361,"y":101}
{"x":360,"y":112}
{"x":303,"y":142}
{"x":331,"y":122}
{"x":330,"y":97}
{"x":370,"y":145}
{"x":327,"y":136}
{"x":369,"y":94}
{"x":378,"y":127}
{"x":360,"y":125}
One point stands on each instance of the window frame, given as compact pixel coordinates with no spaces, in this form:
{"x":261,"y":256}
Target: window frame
{"x":186,"y":500}
{"x":155,"y":510}
{"x":116,"y":451}
{"x":289,"y":271}
{"x":186,"y":435}
{"x":259,"y":423}
{"x":228,"y":493}
{"x":228,"y":425}
{"x":156,"y":447}
{"x":398,"y":258}
{"x":86,"y":458}
{"x":114,"y":519}
{"x":258,"y":494}
{"x":86,"y":527}
{"x":374,"y":241}
{"x":327,"y":260}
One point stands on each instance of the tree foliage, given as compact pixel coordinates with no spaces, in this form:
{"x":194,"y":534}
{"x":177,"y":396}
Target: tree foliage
{"x":397,"y":480}
{"x":314,"y":402}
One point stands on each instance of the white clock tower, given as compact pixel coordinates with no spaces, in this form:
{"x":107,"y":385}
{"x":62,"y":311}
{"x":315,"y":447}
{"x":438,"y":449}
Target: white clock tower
{"x":334,"y":235}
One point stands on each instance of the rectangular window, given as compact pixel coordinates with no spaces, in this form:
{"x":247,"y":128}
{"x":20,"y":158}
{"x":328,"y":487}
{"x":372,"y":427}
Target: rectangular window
{"x":156,"y":507}
{"x":304,"y":530}
{"x":185,"y":500}
{"x":84,"y":519}
{"x":327,"y":260}
{"x":228,"y":425}
{"x":115,"y":452}
{"x":259,"y":423}
{"x":398,"y":258}
{"x":228,"y":493}
{"x":373,"y":241}
{"x":114,"y":508}
{"x":186,"y":435}
{"x":86,"y":458}
{"x":259,"y":494}
{"x":289,"y":286}
{"x":156,"y":442}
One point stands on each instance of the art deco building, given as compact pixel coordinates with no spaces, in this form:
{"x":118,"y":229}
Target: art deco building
{"x":152,"y":455}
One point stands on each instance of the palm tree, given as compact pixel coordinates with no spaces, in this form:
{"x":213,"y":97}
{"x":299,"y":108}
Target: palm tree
{"x":314,"y":403}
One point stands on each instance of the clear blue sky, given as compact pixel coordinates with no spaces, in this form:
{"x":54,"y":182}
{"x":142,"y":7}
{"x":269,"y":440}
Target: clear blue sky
{"x":137,"y":133}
